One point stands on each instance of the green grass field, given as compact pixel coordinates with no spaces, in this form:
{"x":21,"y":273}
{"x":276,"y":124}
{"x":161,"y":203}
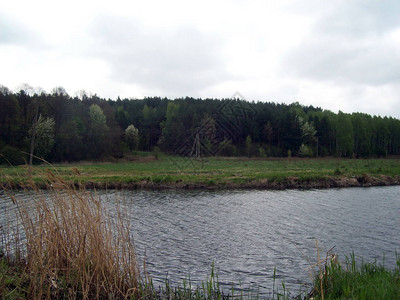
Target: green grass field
{"x":209,"y":172}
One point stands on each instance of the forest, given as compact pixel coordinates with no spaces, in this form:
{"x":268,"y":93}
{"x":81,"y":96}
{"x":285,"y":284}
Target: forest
{"x":62,"y":128}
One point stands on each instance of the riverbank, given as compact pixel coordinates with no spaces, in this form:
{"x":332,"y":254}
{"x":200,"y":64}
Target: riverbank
{"x":286,"y":183}
{"x":170,"y":172}
{"x":354,"y":280}
{"x":348,"y":280}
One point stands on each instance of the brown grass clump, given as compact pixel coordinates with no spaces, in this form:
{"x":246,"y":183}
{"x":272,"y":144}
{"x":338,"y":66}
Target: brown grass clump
{"x":74,"y":247}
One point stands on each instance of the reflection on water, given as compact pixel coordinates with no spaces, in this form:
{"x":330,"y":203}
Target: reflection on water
{"x":246,"y":234}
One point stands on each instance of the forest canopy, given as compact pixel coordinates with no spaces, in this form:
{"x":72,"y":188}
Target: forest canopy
{"x":89,"y":128}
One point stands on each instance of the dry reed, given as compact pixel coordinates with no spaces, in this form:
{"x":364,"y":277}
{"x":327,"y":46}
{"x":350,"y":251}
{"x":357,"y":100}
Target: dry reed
{"x":74,"y":247}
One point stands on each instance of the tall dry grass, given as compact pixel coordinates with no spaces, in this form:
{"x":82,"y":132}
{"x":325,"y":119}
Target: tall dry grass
{"x":73,"y":246}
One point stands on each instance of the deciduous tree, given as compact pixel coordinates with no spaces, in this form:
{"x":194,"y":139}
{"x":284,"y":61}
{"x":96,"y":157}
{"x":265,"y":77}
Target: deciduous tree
{"x":98,"y":132}
{"x":44,"y":139}
{"x":132,"y":137}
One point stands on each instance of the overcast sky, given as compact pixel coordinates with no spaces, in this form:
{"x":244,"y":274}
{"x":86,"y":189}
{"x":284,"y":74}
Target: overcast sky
{"x":338,"y":55}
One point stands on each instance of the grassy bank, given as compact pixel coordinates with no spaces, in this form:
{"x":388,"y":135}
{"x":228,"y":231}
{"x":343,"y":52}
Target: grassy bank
{"x":366,"y":281}
{"x":214,"y":172}
{"x":351,"y":280}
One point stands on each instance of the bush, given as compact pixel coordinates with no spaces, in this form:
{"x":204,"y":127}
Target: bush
{"x":262,"y":152}
{"x":156,"y":152}
{"x":305,"y":151}
{"x":13,"y":156}
{"x":227,"y":148}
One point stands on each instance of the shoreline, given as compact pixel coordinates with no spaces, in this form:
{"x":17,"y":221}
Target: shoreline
{"x":289,"y":183}
{"x":214,"y":173}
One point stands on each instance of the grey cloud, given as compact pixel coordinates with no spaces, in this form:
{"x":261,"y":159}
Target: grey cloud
{"x":349,"y":46}
{"x":330,"y":59}
{"x":181,"y":60}
{"x":361,"y":18}
{"x":13,"y":32}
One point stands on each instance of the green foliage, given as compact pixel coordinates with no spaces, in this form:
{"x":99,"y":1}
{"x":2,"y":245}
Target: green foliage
{"x":44,"y":139}
{"x":337,"y":172}
{"x":309,"y":139}
{"x":208,"y":129}
{"x":268,"y":132}
{"x":171,"y":128}
{"x":262,"y":152}
{"x":10,"y":155}
{"x":291,"y":137}
{"x":248,"y":145}
{"x":305,"y":151}
{"x":132,"y":137}
{"x":353,"y":281}
{"x":9,"y":117}
{"x":98,"y":138}
{"x":344,"y":135}
{"x":92,"y":128}
{"x":362,"y":132}
{"x":69,"y":144}
{"x":227,"y":149}
{"x":13,"y":285}
{"x":156,"y":152}
{"x":122,"y":117}
{"x":96,"y":115}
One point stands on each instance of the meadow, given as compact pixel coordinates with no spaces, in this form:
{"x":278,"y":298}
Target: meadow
{"x":147,"y":171}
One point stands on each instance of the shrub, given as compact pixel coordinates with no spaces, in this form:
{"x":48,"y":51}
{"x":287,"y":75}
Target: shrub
{"x":11,"y":155}
{"x":261,"y":152}
{"x":305,"y":151}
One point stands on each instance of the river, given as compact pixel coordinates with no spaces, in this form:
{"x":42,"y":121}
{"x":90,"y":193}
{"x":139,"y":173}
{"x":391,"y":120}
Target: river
{"x":247,"y":233}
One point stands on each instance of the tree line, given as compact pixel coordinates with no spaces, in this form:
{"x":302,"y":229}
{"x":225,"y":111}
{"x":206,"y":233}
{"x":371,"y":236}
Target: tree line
{"x":87,"y":127}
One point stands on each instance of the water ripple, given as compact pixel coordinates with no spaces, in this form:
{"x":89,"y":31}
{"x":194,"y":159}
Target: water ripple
{"x":246,"y":234}
{"x":249,"y":233}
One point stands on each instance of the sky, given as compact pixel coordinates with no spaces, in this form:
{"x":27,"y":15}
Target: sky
{"x":337,"y":55}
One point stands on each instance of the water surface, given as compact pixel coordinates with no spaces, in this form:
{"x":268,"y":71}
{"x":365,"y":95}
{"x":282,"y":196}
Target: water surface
{"x":246,"y":234}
